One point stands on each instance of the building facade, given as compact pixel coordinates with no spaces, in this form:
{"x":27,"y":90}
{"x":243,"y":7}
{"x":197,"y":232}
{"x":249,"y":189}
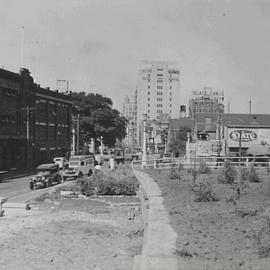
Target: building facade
{"x":206,"y":101}
{"x":35,"y":123}
{"x":157,"y":91}
{"x":129,"y":111}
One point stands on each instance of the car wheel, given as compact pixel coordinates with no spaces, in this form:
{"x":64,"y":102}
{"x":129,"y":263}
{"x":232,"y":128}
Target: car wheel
{"x":46,"y":184}
{"x":31,"y":185}
{"x":90,"y":172}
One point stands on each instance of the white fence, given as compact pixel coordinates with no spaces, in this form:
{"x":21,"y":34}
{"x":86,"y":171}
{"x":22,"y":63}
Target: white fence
{"x":262,"y":164}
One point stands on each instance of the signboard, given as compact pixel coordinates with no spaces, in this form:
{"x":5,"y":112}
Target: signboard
{"x":204,"y":148}
{"x":248,"y":136}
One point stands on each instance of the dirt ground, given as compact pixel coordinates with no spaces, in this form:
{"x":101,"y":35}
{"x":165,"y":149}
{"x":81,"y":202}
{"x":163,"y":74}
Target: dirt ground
{"x":227,"y":234}
{"x":72,"y":234}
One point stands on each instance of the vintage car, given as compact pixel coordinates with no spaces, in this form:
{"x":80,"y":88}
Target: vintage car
{"x":79,"y":166}
{"x":47,"y":175}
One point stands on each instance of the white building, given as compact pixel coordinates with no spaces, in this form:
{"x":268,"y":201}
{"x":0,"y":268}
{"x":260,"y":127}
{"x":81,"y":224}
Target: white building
{"x":129,"y":111}
{"x":158,"y":91}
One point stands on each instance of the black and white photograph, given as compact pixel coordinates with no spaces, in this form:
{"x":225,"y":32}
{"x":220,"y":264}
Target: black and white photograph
{"x":135,"y":134}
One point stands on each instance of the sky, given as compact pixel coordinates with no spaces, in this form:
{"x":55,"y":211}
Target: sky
{"x":98,"y":45}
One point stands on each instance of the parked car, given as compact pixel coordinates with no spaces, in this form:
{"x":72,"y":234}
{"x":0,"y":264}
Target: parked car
{"x":62,"y":162}
{"x":79,"y":166}
{"x":47,"y":175}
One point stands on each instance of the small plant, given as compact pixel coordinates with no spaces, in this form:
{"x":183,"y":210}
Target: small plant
{"x":204,"y":193}
{"x":228,"y":174}
{"x":204,"y":169}
{"x":253,"y":176}
{"x":174,"y":173}
{"x":244,"y":172}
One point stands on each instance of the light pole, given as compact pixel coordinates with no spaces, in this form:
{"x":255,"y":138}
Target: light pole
{"x":144,"y":141}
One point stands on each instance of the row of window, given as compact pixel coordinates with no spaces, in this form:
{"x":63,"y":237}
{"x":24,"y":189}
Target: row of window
{"x":8,"y":119}
{"x":9,"y":92}
{"x":159,"y":87}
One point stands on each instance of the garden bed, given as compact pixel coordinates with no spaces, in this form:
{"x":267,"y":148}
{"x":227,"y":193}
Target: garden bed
{"x":225,"y":233}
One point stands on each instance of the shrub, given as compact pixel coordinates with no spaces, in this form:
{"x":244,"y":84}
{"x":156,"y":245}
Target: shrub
{"x":85,"y":186}
{"x":253,"y":176}
{"x":116,"y":188}
{"x":244,"y":172}
{"x":204,"y":169}
{"x":174,"y":174}
{"x":228,"y":174}
{"x":204,"y":193}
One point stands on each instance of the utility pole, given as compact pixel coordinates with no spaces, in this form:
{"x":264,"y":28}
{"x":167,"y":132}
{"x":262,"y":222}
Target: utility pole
{"x":73,"y":142}
{"x":22,"y":47}
{"x":78,"y":133}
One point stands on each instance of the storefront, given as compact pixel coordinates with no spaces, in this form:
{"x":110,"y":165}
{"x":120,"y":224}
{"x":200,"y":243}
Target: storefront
{"x":240,"y":139}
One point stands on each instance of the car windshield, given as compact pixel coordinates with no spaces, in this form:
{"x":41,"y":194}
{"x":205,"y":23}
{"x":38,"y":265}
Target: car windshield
{"x":74,"y":163}
{"x":44,"y":171}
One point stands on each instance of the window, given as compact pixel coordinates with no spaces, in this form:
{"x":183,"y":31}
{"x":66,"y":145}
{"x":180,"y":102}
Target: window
{"x":170,"y":87}
{"x":159,"y":99}
{"x":159,"y":105}
{"x":148,"y":111}
{"x":170,"y":93}
{"x":149,"y":99}
{"x":148,"y":93}
{"x":159,"y":87}
{"x":159,"y":93}
{"x":160,"y":75}
{"x":148,"y":105}
{"x":160,"y":69}
{"x":170,"y":99}
{"x":160,"y":81}
{"x":170,"y":105}
{"x":159,"y":111}
{"x":148,"y":86}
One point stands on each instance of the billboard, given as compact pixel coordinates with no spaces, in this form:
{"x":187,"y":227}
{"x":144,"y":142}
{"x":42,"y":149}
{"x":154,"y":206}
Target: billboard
{"x":205,"y":148}
{"x":248,"y":137}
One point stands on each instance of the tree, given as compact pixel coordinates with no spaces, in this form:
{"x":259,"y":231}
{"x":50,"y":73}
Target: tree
{"x":178,"y":141}
{"x":99,"y":118}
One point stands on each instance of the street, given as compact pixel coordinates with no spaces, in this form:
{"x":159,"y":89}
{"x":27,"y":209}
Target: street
{"x":17,"y":190}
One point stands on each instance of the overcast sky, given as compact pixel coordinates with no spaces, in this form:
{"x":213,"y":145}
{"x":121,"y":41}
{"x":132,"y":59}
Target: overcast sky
{"x":97,"y":45}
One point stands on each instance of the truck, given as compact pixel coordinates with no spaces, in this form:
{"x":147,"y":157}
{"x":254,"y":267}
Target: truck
{"x":79,"y":166}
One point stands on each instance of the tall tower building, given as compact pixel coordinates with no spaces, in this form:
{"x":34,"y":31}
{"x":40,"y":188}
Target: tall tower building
{"x":158,"y":91}
{"x":206,"y":101}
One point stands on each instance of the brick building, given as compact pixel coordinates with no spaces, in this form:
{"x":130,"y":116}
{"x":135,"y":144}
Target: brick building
{"x":35,"y":123}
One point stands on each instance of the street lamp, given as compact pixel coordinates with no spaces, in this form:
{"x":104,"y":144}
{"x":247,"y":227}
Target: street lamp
{"x":144,"y":141}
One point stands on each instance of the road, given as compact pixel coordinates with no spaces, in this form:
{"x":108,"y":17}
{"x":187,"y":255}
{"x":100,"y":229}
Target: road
{"x":17,"y":190}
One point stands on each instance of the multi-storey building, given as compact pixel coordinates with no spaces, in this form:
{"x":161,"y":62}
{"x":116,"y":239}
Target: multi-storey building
{"x":129,"y":111}
{"x":35,"y":122}
{"x":158,"y":91}
{"x":206,"y":101}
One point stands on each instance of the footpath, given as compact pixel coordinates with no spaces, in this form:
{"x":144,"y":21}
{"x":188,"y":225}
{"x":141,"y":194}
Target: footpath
{"x":159,"y":238}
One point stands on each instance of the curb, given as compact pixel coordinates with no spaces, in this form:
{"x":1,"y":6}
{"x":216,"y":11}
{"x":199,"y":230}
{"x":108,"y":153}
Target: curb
{"x":159,"y":240}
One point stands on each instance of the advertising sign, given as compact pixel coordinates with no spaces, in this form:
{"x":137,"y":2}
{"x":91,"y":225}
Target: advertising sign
{"x":248,"y":136}
{"x":204,"y":148}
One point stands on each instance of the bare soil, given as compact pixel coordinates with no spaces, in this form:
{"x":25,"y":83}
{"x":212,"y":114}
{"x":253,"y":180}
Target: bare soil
{"x":72,"y":234}
{"x":227,"y":234}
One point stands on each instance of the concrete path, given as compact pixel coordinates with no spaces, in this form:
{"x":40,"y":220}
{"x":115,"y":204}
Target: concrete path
{"x":159,"y":237}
